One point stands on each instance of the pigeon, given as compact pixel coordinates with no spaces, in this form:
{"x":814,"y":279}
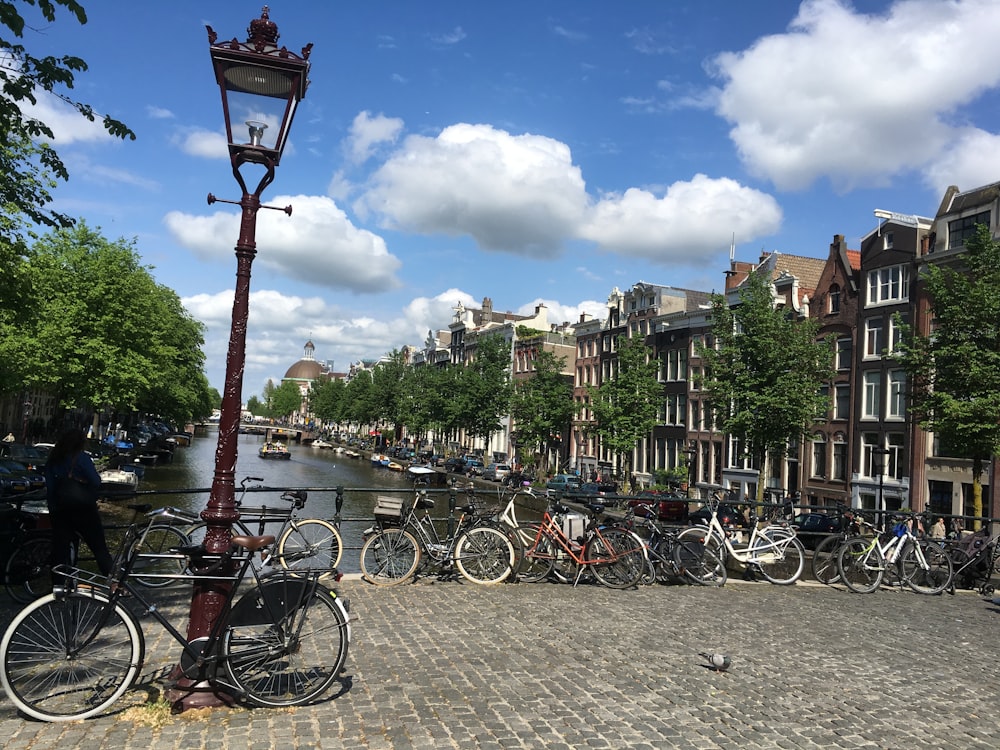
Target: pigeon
{"x":717,"y":662}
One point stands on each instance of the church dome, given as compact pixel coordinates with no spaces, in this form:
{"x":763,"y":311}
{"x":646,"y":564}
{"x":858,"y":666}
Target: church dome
{"x":306,"y":368}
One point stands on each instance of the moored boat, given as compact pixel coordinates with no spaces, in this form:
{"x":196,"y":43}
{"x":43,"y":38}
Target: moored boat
{"x":274,"y":450}
{"x":117,"y":483}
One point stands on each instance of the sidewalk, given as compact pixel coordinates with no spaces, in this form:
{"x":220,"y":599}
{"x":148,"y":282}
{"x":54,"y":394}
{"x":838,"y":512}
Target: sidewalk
{"x":452,"y":665}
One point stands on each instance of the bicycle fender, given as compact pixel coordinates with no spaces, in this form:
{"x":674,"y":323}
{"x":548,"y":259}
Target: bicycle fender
{"x":273,"y":601}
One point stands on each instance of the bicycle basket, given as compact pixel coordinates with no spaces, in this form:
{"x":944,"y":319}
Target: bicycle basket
{"x":388,"y":509}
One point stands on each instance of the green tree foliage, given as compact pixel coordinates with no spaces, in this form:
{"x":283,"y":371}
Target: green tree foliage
{"x":426,"y":400}
{"x":388,"y":391}
{"x":358,"y":399}
{"x":255,"y":406}
{"x":542,"y":406}
{"x":286,"y":399}
{"x":954,"y":373}
{"x":484,"y":390}
{"x":101,"y":333}
{"x":764,"y":375}
{"x":626,"y":404}
{"x":27,"y":161}
{"x":326,"y":399}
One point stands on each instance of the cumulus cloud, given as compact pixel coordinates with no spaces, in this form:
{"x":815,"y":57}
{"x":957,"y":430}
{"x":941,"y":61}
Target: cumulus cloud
{"x":425,"y":314}
{"x":207,"y":144}
{"x":515,"y":193}
{"x":559,"y":313}
{"x":857,"y":98}
{"x":969,"y":160}
{"x":689,"y":221}
{"x":67,"y":124}
{"x":317,"y":245}
{"x":368,"y":132}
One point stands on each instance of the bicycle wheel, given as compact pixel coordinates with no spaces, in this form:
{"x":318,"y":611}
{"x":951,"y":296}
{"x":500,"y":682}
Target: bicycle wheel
{"x":310,"y":544}
{"x":67,"y":658}
{"x":780,"y":558}
{"x":926,"y":568}
{"x":158,"y":540}
{"x":824,"y":560}
{"x":539,"y":554}
{"x":296,"y":653}
{"x":711,"y":540}
{"x":29,"y":570}
{"x":861,"y":564}
{"x":699,"y":564}
{"x":617,"y":558}
{"x":484,"y":555}
{"x":389,"y":557}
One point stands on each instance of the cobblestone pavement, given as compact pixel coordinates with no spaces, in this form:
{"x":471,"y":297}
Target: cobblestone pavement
{"x":452,"y":665}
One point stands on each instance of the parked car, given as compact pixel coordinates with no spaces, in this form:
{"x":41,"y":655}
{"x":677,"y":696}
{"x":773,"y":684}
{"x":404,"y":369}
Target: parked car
{"x":11,"y":484}
{"x":455,"y":465}
{"x":474,"y":467}
{"x":518,"y":479}
{"x":28,"y":455}
{"x":666,"y":507}
{"x":496,"y":472}
{"x":35,"y":478}
{"x":813,"y":527}
{"x":729,"y":515}
{"x":563,"y":482}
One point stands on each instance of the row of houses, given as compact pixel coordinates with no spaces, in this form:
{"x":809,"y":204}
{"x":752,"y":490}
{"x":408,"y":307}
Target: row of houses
{"x":867,"y":453}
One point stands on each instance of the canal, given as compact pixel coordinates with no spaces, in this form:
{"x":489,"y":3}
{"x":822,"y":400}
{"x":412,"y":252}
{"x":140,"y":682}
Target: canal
{"x":185,"y":481}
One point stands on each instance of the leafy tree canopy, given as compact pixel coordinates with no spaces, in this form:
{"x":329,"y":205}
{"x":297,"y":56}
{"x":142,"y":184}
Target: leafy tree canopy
{"x":542,"y":405}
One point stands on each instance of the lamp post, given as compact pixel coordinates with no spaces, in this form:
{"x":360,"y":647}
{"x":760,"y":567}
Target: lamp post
{"x":261,"y":85}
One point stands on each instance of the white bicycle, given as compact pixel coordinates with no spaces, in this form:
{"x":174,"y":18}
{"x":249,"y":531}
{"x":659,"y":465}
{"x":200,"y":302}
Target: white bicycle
{"x":772,"y":550}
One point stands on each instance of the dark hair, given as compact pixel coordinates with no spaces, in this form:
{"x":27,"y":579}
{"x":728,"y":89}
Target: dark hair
{"x":69,"y":444}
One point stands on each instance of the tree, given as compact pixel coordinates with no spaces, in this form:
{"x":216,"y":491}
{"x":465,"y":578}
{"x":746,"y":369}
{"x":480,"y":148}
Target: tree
{"x":28,"y":163}
{"x":286,"y":399}
{"x":542,"y":405}
{"x":326,"y":400}
{"x":387,"y":396}
{"x":764,"y":375}
{"x":954,"y":373}
{"x":99,"y":332}
{"x":625,"y":405}
{"x":484,"y":389}
{"x":255,"y":406}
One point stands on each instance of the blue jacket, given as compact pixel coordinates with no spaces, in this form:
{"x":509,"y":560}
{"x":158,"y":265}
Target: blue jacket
{"x":83,"y":468}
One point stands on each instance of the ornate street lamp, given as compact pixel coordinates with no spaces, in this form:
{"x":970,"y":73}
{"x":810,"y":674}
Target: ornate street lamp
{"x":261,"y":84}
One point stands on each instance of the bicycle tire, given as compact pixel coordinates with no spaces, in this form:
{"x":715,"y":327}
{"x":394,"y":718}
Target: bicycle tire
{"x":43,"y":682}
{"x":704,"y":535}
{"x":293,"y":658}
{"x":824,"y":560}
{"x":616,"y":557}
{"x":861,"y":564}
{"x":390,"y":557}
{"x":933,"y":579}
{"x":484,"y":555}
{"x":783,"y":563}
{"x":29,"y":569}
{"x":698,"y":564}
{"x":310,"y":544}
{"x":159,"y":539}
{"x":539,"y":555}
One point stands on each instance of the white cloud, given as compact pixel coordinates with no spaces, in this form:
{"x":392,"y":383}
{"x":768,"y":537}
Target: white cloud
{"x":368,"y":132}
{"x":318,"y":244}
{"x":208,"y":144}
{"x":67,"y":124}
{"x":857,"y":98}
{"x":969,"y":161}
{"x":159,"y":113}
{"x":557,"y":313}
{"x":690,"y":221}
{"x":449,"y":37}
{"x":425,"y":314}
{"x":515,"y":193}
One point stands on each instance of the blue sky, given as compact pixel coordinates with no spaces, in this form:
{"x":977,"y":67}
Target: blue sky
{"x":524,"y":151}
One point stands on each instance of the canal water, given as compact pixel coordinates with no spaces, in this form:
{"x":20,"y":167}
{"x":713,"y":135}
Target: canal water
{"x":185,"y":481}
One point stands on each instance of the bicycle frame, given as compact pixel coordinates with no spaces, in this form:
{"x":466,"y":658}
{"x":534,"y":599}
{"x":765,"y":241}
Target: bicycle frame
{"x":551,"y":531}
{"x":759,"y":547}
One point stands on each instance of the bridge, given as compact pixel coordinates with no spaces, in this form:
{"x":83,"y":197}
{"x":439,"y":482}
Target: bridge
{"x":274,"y":432}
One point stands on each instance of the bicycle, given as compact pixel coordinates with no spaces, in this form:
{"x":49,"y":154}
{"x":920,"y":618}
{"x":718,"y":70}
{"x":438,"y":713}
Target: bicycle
{"x":73,"y":653}
{"x":974,"y":560}
{"x":301,"y":542}
{"x":402,"y":539}
{"x":615,"y":556}
{"x":28,"y":537}
{"x":670,"y":557}
{"x":921,"y":564}
{"x":824,"y":560}
{"x":772,"y":550}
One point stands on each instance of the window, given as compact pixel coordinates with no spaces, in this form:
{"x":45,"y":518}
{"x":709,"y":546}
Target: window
{"x":839,"y":460}
{"x":844,"y":353}
{"x":834,"y":299}
{"x":960,"y":230}
{"x":873,"y":338}
{"x":676,"y":409}
{"x":887,"y":240}
{"x":842,"y":402}
{"x":870,"y":462}
{"x":819,"y":456}
{"x":870,"y":405}
{"x":889,"y":284}
{"x":895,"y":334}
{"x":897,"y":395}
{"x":695,"y":378}
{"x":895,"y":461}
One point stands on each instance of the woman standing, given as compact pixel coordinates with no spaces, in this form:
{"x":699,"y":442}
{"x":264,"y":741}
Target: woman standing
{"x":71,"y":483}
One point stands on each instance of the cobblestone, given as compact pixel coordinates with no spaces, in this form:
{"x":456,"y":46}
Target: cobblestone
{"x":452,"y":665}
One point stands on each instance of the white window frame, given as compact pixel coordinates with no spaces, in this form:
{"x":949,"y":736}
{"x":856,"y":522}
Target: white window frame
{"x":896,"y":404}
{"x":871,"y":394}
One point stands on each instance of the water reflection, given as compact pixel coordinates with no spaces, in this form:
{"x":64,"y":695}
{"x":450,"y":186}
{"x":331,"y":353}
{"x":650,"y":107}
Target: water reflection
{"x":185,"y":483}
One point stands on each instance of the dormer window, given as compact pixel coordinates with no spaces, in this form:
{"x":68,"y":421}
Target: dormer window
{"x":834,"y":299}
{"x":887,"y":240}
